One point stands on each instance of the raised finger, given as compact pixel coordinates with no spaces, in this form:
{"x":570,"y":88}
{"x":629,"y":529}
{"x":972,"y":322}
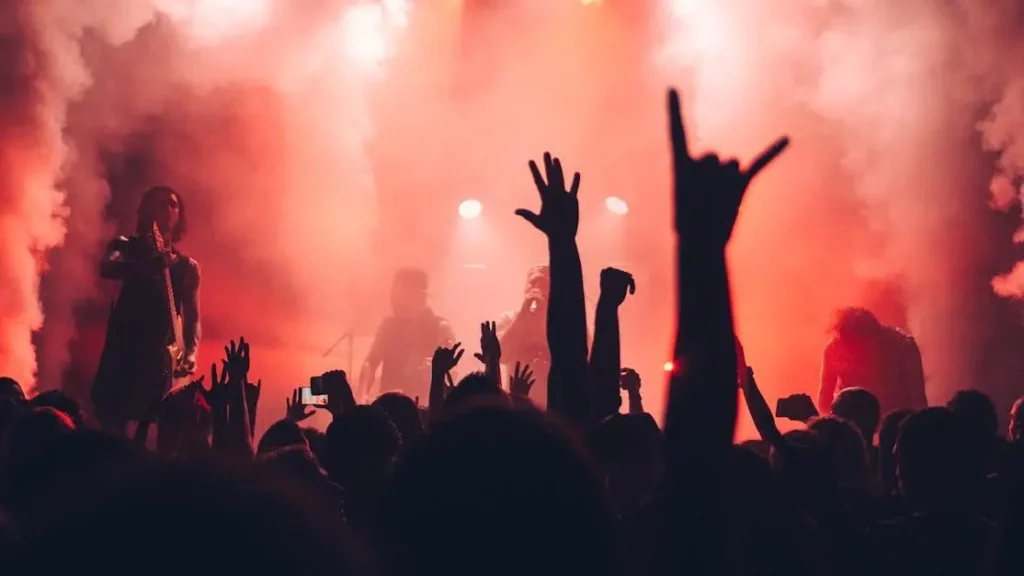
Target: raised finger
{"x":557,"y":176}
{"x":680,"y":147}
{"x":632,"y":285}
{"x":574,"y":189}
{"x":538,"y":178}
{"x":458,"y":356}
{"x":766,"y":157}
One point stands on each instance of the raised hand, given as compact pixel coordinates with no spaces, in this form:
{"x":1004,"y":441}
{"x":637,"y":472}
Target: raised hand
{"x":521,"y":381}
{"x":708,"y":192}
{"x":614,"y":285}
{"x":490,"y":346}
{"x":217,"y":396}
{"x":446,"y":359}
{"x":629,"y":381}
{"x":796,"y":407}
{"x":559,"y":215}
{"x":294,"y":409}
{"x":236,"y":360}
{"x":252,"y":392}
{"x":340,"y":398}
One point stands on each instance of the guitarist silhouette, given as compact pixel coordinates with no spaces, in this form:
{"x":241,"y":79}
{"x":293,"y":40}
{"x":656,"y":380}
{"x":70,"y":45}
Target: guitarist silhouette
{"x":153,"y":331}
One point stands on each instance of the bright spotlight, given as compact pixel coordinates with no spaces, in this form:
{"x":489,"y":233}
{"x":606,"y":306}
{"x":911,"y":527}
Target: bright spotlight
{"x":669,"y":366}
{"x":470,"y":209}
{"x":616,"y":205}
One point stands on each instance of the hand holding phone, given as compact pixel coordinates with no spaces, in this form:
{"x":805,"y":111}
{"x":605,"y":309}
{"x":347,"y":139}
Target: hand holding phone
{"x":308,"y":398}
{"x":797,"y":407}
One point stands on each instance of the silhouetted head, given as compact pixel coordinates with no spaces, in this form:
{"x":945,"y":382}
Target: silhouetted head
{"x":33,"y":431}
{"x":27,"y":451}
{"x":1016,"y":431}
{"x":59,"y":400}
{"x":934,"y":466}
{"x":888,"y":433}
{"x":628,"y":448}
{"x":844,"y":444}
{"x":861,"y":407}
{"x":296,"y":461}
{"x":403,"y":413}
{"x":9,"y":388}
{"x":185,"y":423}
{"x":472,"y":388}
{"x":251,"y":522}
{"x":855,"y":323}
{"x":166,"y":207}
{"x":977,"y":412}
{"x":281,"y":434}
{"x":361,"y":447}
{"x":316,"y":439}
{"x":499,"y":490}
{"x":409,"y":292}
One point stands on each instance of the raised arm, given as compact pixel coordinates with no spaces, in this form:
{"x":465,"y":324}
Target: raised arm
{"x":117,"y":262}
{"x":606,"y":358}
{"x":567,"y":322}
{"x":701,"y":415}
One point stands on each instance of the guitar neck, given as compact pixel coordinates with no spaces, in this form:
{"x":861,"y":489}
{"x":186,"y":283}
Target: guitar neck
{"x":172,"y":310}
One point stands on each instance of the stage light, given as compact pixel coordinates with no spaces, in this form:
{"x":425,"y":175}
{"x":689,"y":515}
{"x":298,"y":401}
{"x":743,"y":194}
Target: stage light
{"x":470,"y":209}
{"x":616,"y":205}
{"x":669,"y":366}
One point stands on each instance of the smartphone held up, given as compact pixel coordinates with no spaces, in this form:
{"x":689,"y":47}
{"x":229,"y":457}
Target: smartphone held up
{"x":314,"y":394}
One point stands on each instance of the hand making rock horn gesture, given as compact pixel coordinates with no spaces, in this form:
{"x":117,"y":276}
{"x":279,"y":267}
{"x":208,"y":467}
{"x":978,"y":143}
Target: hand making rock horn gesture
{"x":708,"y":192}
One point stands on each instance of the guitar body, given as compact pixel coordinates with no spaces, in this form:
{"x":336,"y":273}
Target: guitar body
{"x":175,"y":356}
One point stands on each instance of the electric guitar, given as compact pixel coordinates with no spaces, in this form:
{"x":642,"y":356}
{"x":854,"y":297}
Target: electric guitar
{"x":174,"y":359}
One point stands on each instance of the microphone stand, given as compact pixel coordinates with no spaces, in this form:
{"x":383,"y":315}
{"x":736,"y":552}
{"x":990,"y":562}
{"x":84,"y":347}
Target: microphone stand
{"x":347,"y":336}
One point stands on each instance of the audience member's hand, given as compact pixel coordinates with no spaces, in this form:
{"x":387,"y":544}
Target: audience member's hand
{"x":629,"y":381}
{"x":217,"y":396}
{"x":559,"y":207}
{"x":521,"y":381}
{"x":490,"y":346}
{"x":708,"y":192}
{"x":252,"y":392}
{"x":236,"y":360}
{"x":614,"y":285}
{"x":294,"y":409}
{"x":340,"y":398}
{"x":796,"y":407}
{"x":445,"y":359}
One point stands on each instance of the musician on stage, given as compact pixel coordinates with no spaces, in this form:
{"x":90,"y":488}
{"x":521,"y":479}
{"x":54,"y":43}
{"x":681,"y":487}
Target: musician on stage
{"x":523,"y":333}
{"x":406,"y":340}
{"x":135,"y":369}
{"x":864,"y":353}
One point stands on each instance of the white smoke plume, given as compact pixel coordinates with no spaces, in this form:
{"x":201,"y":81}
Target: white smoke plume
{"x":897,"y":93}
{"x":41,"y":73}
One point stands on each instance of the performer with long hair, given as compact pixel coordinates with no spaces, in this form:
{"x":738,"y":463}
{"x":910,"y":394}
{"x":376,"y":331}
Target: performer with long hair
{"x":154,"y":328}
{"x":864,"y":353}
